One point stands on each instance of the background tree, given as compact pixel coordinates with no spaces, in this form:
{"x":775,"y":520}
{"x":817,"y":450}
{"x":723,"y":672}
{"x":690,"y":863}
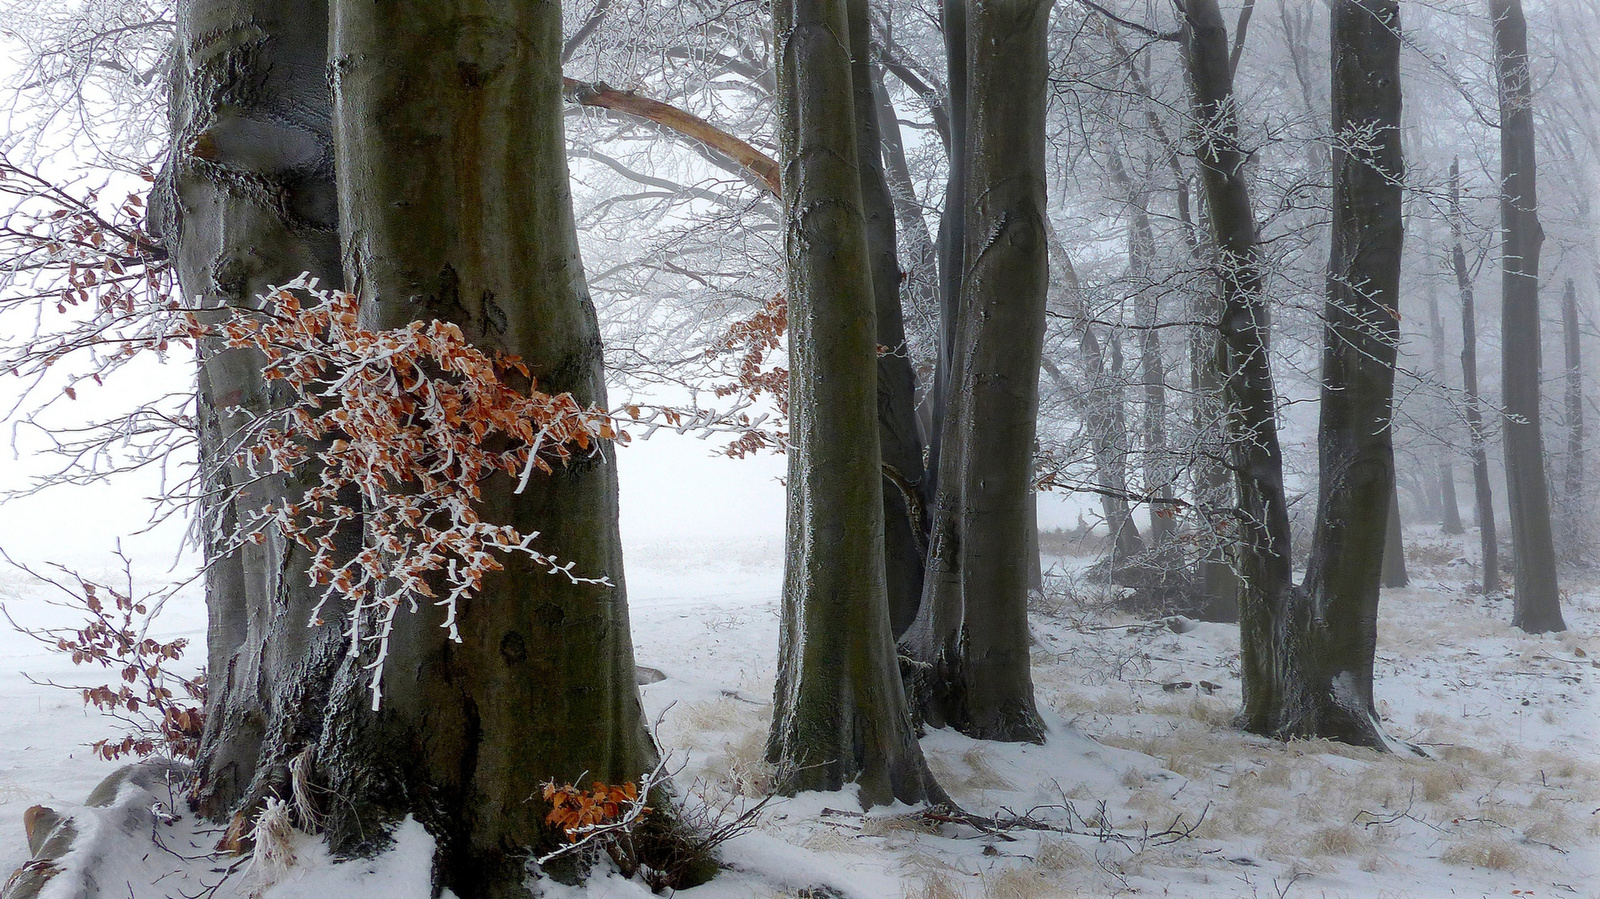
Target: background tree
{"x":1538,"y":599}
{"x":1482,"y":489}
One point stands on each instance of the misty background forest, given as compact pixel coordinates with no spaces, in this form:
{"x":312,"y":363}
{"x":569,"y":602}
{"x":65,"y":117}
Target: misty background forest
{"x":807,"y":448}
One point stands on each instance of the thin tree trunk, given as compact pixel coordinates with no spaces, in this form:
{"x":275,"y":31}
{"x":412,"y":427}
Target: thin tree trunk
{"x":1152,"y":367}
{"x":972,"y":630}
{"x":1451,"y":512}
{"x":1331,"y":633}
{"x":1108,"y":438}
{"x":840,"y":712}
{"x":454,"y":196}
{"x":921,"y":293}
{"x":1482,"y":492}
{"x":1572,"y":343}
{"x":952,"y":242}
{"x":247,"y":203}
{"x":1262,"y":522}
{"x":1537,"y":596}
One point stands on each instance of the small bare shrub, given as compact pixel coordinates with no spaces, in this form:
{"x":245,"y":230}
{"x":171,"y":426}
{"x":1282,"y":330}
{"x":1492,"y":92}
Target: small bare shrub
{"x":162,"y":710}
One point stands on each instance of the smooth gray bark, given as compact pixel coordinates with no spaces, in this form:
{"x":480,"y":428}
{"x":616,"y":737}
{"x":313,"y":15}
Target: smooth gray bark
{"x":1537,"y":596}
{"x":952,"y":240}
{"x":1394,"y":546}
{"x":455,"y":205}
{"x":1482,"y":490}
{"x":840,"y":713}
{"x":1262,"y":513}
{"x":1330,"y":635}
{"x":1450,"y":511}
{"x":899,"y":437}
{"x":245,"y":203}
{"x":1152,"y":366}
{"x":1572,"y":346}
{"x":1106,"y":421}
{"x":970,"y":640}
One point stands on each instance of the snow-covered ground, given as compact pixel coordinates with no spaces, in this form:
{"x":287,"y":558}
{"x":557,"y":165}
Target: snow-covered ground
{"x":1165,"y":798}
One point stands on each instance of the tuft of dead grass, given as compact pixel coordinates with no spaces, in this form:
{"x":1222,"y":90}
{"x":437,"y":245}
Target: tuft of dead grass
{"x":1489,"y":852}
{"x":983,"y":776}
{"x":1061,"y":855}
{"x":933,"y":885}
{"x":894,"y":825}
{"x":1440,"y":783}
{"x":1340,"y":839}
{"x":1020,"y":883}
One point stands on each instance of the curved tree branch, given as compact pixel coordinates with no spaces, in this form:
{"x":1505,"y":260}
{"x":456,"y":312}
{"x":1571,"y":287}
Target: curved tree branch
{"x":761,"y":167}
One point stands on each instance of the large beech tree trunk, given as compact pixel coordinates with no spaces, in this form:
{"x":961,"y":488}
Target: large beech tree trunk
{"x":1537,"y":598}
{"x":1333,"y":634}
{"x":1482,"y":490}
{"x":840,"y":712}
{"x":247,"y":202}
{"x":970,"y":638}
{"x":1262,"y":520}
{"x":899,"y":437}
{"x":455,"y":205}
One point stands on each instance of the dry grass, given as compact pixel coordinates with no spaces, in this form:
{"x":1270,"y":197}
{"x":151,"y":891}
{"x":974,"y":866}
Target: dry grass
{"x":1440,"y":783}
{"x":1485,"y":852}
{"x":1337,"y":840}
{"x":1020,"y":883}
{"x":933,"y":885}
{"x":1061,"y":855}
{"x":830,"y":840}
{"x":983,"y":776}
{"x":895,"y":825}
{"x":1427,"y":554}
{"x":742,"y":769}
{"x":1477,"y":761}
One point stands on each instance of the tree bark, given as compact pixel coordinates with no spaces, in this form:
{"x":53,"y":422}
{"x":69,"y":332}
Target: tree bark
{"x":1394,"y":546}
{"x":952,"y":238}
{"x":840,"y":712}
{"x":247,"y":202}
{"x":1537,"y":597}
{"x":1262,"y":521}
{"x":1107,"y":425}
{"x":971,"y":633}
{"x":920,"y":297}
{"x":899,"y":437}
{"x":1451,"y":511}
{"x":1572,"y":343}
{"x":1482,"y":491}
{"x":455,"y":204}
{"x":1152,"y":366}
{"x":1332,"y":630}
